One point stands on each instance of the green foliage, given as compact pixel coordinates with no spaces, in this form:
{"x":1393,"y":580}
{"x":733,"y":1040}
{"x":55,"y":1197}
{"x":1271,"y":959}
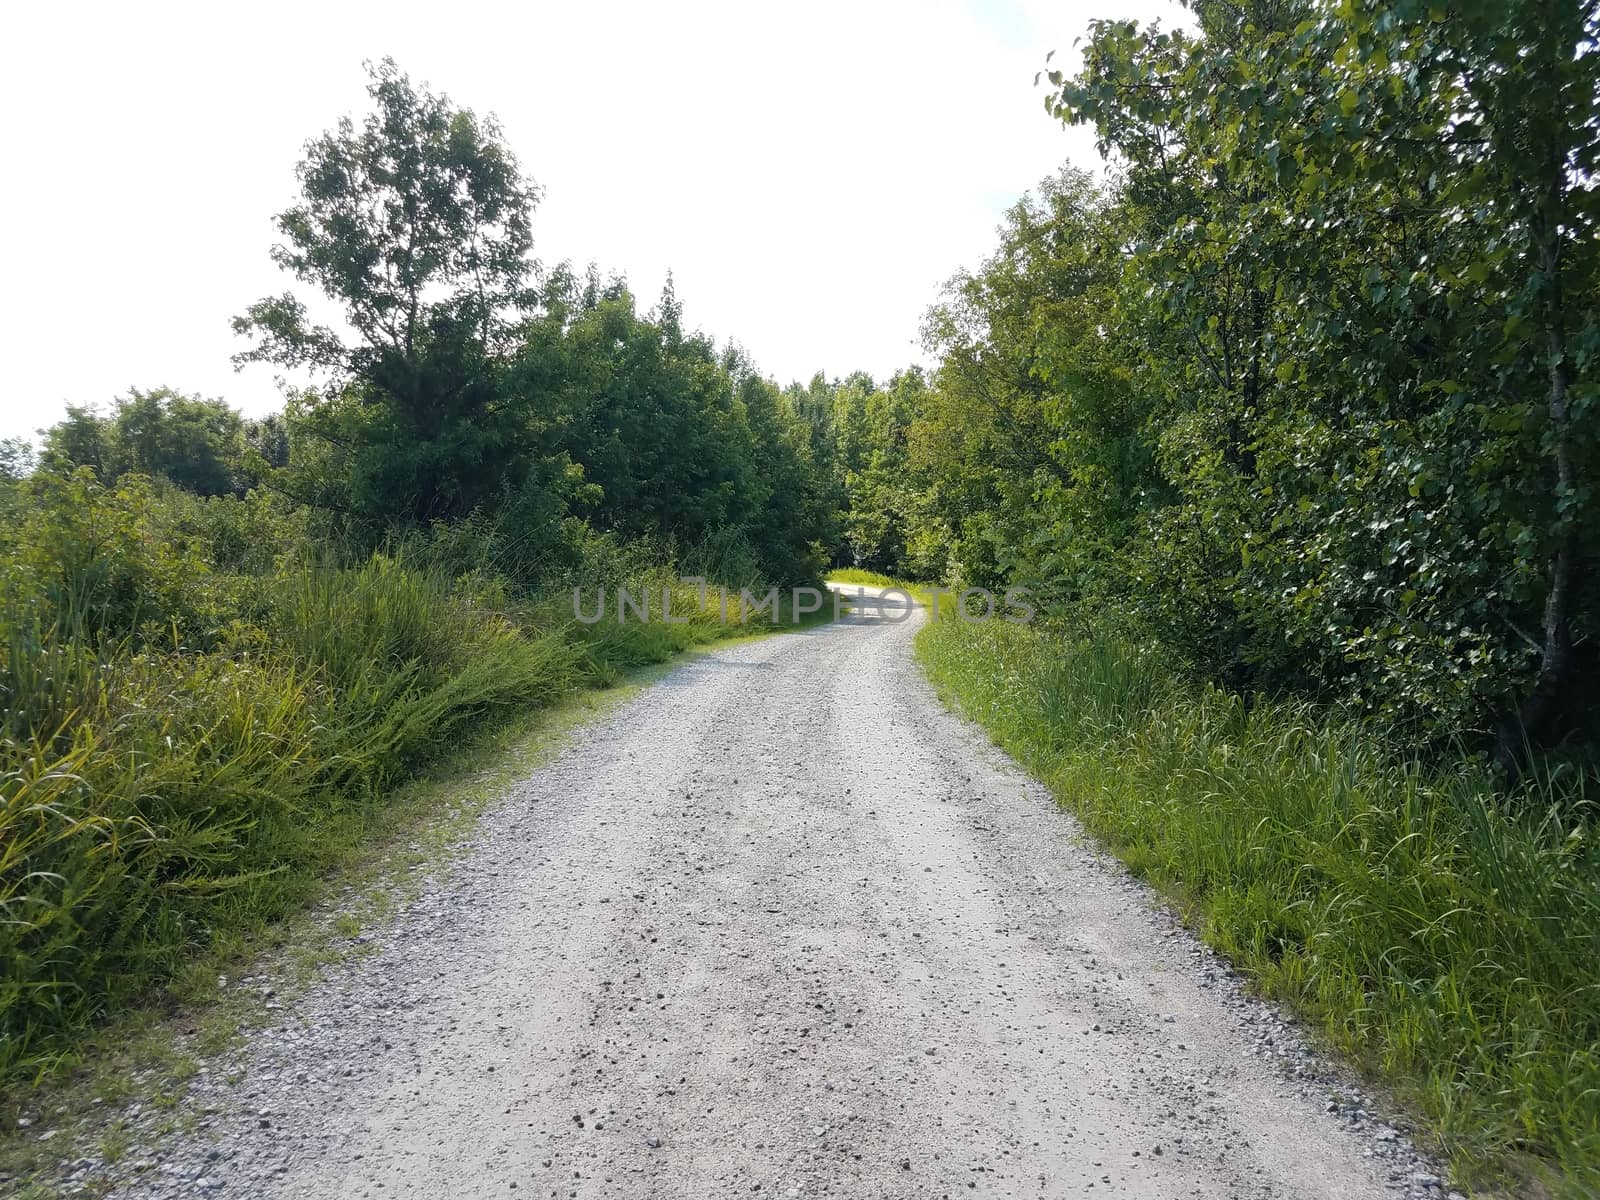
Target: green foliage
{"x":201,"y":696}
{"x":653,"y":418}
{"x":788,"y":534}
{"x":1361,"y":235}
{"x":196,"y":444}
{"x":16,"y":459}
{"x":1305,"y":390}
{"x":667,"y":438}
{"x":474,"y":390}
{"x":1032,"y":417}
{"x":417,"y":225}
{"x":858,"y":434}
{"x":96,"y":561}
{"x":1436,"y":930}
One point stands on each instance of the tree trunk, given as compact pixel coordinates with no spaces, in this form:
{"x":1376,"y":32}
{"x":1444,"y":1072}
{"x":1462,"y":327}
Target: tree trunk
{"x":1529,"y":724}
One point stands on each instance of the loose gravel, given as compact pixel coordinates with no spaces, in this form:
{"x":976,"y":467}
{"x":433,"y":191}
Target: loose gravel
{"x":778,"y":926}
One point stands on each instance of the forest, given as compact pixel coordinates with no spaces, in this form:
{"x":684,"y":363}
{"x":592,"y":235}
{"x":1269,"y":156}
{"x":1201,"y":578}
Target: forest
{"x":1286,"y":418}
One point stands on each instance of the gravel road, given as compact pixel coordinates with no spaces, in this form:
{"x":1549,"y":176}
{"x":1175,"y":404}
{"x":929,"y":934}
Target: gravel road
{"x":780,"y":925}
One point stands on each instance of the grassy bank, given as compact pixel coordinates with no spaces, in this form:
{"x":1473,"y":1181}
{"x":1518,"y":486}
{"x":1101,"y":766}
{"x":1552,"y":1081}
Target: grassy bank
{"x":201,"y":1019}
{"x":205,"y":712}
{"x":1442,"y":936}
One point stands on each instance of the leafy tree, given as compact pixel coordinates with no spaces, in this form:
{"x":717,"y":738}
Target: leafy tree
{"x":78,"y":440}
{"x":417,"y":226}
{"x":875,"y":426}
{"x":1305,"y":390}
{"x":17,"y":459}
{"x":1028,"y":404}
{"x":1355,"y":235}
{"x":649,"y":414}
{"x":194,"y":443}
{"x":268,"y":437}
{"x":1500,"y":104}
{"x":794,"y":522}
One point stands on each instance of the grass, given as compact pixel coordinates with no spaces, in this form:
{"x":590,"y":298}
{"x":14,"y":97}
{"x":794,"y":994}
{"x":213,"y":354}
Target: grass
{"x":146,"y":1055}
{"x":1446,"y":938}
{"x":189,"y":746}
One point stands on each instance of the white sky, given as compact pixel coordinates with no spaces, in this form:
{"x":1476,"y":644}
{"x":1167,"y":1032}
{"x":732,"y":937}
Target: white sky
{"x":809,"y":172}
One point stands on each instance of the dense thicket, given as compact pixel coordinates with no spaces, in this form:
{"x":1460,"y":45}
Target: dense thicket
{"x":1307,"y":391}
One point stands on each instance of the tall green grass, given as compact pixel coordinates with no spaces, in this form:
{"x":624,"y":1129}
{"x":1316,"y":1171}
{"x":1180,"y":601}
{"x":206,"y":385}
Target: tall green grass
{"x":203,"y":708}
{"x":1444,"y":935}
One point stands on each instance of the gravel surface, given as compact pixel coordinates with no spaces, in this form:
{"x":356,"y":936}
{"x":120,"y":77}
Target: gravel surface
{"x":779,"y":925}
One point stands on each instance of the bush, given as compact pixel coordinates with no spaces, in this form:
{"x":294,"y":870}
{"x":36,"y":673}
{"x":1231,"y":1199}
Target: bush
{"x":150,"y":788}
{"x":99,"y":561}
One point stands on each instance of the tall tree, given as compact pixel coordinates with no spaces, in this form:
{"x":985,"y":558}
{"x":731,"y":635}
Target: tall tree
{"x":416,"y":224}
{"x":1499,"y":100}
{"x":193,"y":442}
{"x":79,"y":439}
{"x":189,"y":441}
{"x":1358,"y":230}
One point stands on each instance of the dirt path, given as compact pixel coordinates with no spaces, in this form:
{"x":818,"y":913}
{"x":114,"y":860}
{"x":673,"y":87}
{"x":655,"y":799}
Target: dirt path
{"x":781,"y":926}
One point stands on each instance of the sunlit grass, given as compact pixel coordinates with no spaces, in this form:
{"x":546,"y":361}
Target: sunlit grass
{"x":918,"y":592}
{"x":159,"y":800}
{"x":1440,"y":934}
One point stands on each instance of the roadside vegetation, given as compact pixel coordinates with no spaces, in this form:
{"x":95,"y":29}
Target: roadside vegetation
{"x":864,"y":578}
{"x":1289,"y":425}
{"x":918,"y":592}
{"x":225,"y":644}
{"x":205,"y":703}
{"x":1442,"y":933}
{"x":1287,"y":422}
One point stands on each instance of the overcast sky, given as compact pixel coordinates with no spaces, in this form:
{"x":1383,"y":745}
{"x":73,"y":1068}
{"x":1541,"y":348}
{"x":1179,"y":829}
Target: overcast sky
{"x":810,"y":173}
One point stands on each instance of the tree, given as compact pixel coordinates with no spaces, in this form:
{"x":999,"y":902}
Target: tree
{"x":1356,"y":238}
{"x":651,"y":416}
{"x":16,"y":459}
{"x":417,"y":225}
{"x":77,"y":440}
{"x":194,"y":443}
{"x":1509,"y":91}
{"x":268,"y":437}
{"x":1029,"y":420}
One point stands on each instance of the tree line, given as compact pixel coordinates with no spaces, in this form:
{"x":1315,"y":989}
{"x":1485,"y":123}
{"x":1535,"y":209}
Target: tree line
{"x":1302,"y":388}
{"x":454,"y":380}
{"x":1305,"y":389}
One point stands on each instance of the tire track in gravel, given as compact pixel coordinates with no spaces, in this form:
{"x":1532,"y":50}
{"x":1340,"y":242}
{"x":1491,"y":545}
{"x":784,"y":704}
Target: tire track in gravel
{"x":780,"y":925}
